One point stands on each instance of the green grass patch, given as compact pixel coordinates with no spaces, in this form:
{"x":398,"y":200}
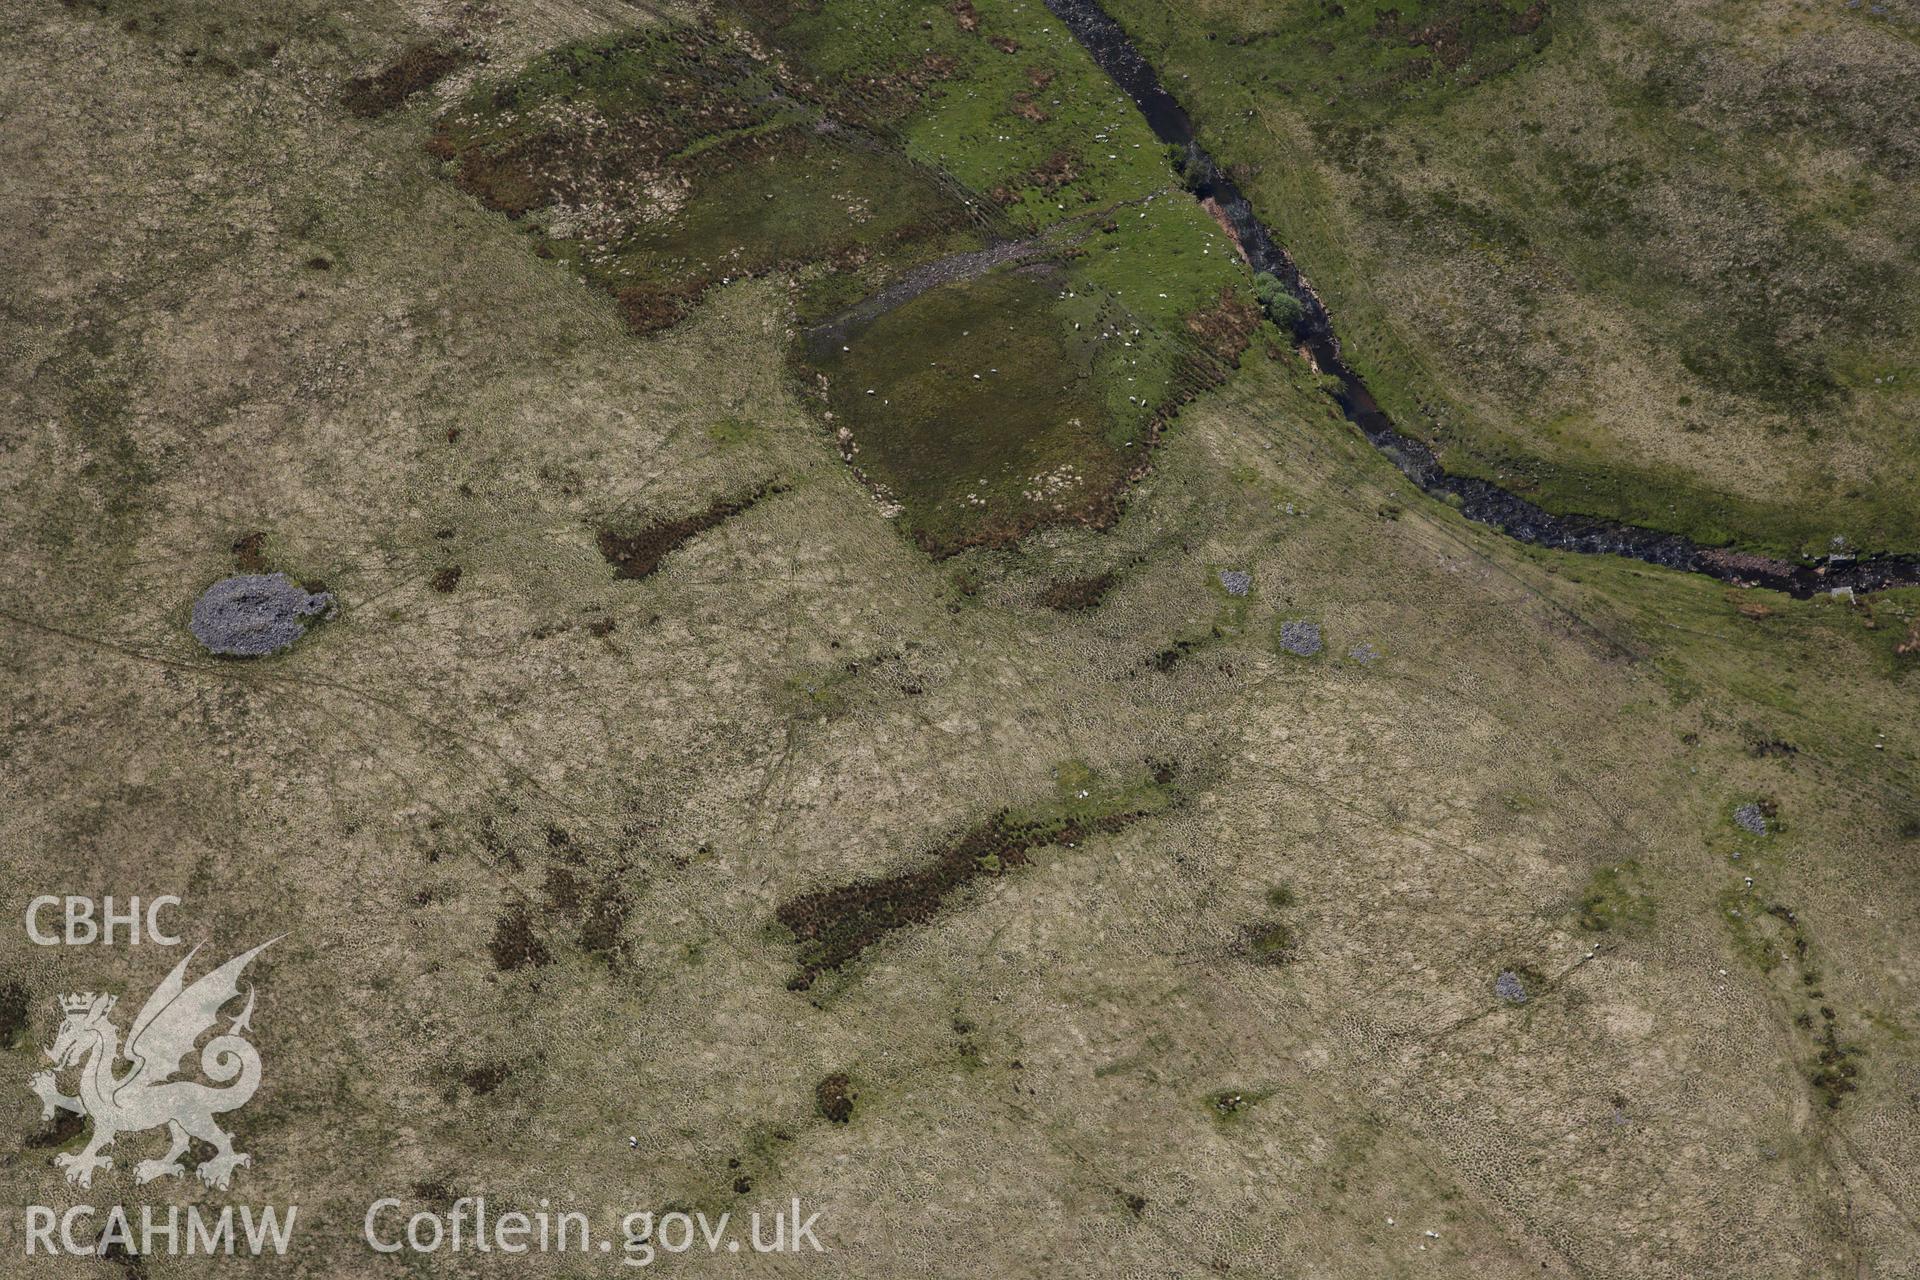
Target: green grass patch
{"x":1615,"y":899}
{"x":659,"y":163}
{"x":978,"y":407}
{"x":999,"y":96}
{"x":1228,"y":1105}
{"x":846,"y":146}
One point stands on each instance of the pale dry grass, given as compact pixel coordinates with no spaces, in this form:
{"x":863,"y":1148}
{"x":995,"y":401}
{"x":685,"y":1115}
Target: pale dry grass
{"x":388,"y":789}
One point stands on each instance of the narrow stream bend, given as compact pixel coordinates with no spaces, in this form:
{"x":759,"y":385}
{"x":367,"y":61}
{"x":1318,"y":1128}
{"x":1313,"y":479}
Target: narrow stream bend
{"x":1478,"y":500}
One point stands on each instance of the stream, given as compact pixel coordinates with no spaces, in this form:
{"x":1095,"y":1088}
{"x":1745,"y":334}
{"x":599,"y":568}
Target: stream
{"x":1478,"y":500}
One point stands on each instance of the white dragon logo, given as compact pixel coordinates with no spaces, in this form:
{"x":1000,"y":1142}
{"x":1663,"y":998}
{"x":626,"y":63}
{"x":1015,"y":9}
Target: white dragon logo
{"x":146,"y":1097}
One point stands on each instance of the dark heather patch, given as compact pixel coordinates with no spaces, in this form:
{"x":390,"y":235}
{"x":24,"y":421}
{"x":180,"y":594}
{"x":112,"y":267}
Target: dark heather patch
{"x":419,"y":67}
{"x":1271,"y":943}
{"x":834,"y":1097}
{"x":566,"y":889}
{"x":1171,"y":656}
{"x":134,"y":1264}
{"x":13,"y":1014}
{"x":1072,"y":595}
{"x":250,"y":552}
{"x":57,"y":1132}
{"x":515,"y":945}
{"x":447,"y":579}
{"x":636,"y":555}
{"x":1834,"y":1070}
{"x":833,"y":926}
{"x":595,"y":901}
{"x":486,"y":1077}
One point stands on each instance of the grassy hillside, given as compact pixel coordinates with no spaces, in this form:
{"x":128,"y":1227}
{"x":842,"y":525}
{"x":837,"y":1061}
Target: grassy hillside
{"x":1643,"y":260}
{"x":1287,"y":878}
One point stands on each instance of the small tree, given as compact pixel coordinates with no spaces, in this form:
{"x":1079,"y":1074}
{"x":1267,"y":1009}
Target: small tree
{"x":1188,"y":165}
{"x":1278,"y":301}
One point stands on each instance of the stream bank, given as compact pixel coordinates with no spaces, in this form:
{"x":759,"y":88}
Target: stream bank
{"x":1478,"y":500}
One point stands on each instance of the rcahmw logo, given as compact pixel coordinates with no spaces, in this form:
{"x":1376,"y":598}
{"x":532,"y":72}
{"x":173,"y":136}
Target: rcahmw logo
{"x":87,"y":1053}
{"x":147,"y":1096}
{"x":81,"y":923}
{"x":169,"y":1230}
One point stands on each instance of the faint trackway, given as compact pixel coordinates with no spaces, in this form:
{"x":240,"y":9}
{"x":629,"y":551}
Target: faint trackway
{"x":949,"y":270}
{"x":954,"y":268}
{"x":1478,"y":500}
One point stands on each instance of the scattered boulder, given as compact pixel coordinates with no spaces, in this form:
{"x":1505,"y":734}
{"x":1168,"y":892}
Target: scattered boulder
{"x":1302,"y":639}
{"x":1751,"y":818}
{"x":1510,"y":988}
{"x":251,"y":615}
{"x":1237,"y":582}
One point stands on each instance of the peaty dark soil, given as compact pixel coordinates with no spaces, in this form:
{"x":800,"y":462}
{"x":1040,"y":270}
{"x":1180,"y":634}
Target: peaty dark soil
{"x":834,"y":926}
{"x":638,"y":553}
{"x":418,"y":68}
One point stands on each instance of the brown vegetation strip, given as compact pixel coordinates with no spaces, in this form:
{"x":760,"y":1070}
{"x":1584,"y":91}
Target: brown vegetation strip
{"x":833,"y":926}
{"x":1071,"y":595}
{"x":419,"y":67}
{"x":635,"y":555}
